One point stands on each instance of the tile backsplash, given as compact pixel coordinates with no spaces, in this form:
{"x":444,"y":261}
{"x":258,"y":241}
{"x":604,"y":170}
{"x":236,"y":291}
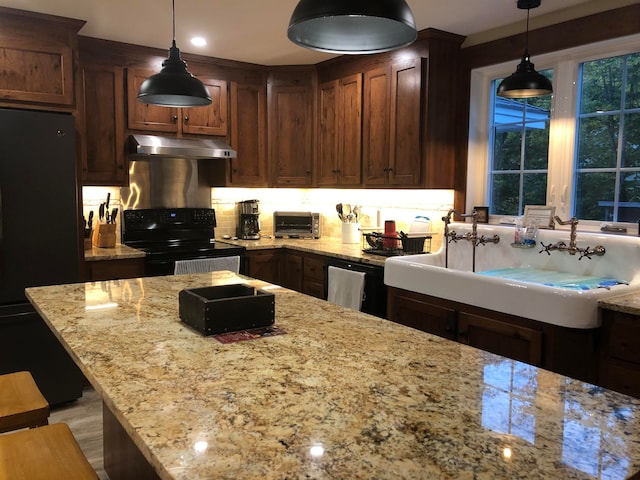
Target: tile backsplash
{"x":377,"y":205}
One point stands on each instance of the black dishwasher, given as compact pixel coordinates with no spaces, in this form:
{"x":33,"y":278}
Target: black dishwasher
{"x":375,"y":291}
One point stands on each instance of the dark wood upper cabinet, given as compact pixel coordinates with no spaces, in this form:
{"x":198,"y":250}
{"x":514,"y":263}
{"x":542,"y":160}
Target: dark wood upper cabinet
{"x":290,"y":126}
{"x":37,"y":58}
{"x":208,"y":120}
{"x":103,"y":160}
{"x":391,"y":126}
{"x":339,"y":158}
{"x":212,"y":119}
{"x":249,"y":135}
{"x":142,"y":116}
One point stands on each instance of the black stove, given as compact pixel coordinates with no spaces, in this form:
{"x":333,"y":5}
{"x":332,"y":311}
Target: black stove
{"x":170,"y":234}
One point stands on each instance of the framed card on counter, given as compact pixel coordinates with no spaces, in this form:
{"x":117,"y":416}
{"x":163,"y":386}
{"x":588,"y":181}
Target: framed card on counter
{"x":541,"y":215}
{"x":483,"y":214}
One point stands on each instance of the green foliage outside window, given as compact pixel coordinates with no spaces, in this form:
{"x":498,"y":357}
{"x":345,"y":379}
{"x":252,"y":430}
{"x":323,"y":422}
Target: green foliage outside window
{"x":607,"y":173}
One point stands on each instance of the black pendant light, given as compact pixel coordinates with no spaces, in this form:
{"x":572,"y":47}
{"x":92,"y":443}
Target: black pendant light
{"x":174,"y":86}
{"x":525,"y":82}
{"x":352,"y":26}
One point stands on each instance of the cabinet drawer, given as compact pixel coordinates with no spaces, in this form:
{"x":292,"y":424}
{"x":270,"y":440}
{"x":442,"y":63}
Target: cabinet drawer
{"x":621,"y":376}
{"x":624,"y":331}
{"x":314,"y":289}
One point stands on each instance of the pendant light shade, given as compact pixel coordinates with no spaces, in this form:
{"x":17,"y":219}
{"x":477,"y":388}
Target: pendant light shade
{"x":526,"y":82}
{"x":352,"y":26}
{"x":174,"y":86}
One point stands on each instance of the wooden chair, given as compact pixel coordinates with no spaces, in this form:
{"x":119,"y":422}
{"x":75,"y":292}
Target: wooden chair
{"x":45,"y":453}
{"x":21,"y":403}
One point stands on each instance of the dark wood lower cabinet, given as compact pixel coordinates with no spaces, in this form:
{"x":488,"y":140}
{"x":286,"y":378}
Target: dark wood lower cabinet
{"x":114,"y":269}
{"x":513,"y":341}
{"x":620,"y":355}
{"x":264,"y":265}
{"x":570,"y":352}
{"x":299,"y":271}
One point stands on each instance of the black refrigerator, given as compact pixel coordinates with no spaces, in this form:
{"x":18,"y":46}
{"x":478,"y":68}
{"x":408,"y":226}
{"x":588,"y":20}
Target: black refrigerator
{"x":39,"y":242}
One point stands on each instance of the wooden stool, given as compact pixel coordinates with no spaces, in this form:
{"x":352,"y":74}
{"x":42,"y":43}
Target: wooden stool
{"x":45,"y":453}
{"x":21,"y":403}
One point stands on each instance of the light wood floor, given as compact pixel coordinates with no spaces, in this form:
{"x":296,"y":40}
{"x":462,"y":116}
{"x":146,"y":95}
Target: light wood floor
{"x":84,"y":417}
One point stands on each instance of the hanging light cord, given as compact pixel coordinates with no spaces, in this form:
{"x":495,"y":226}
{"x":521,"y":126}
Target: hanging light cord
{"x":173,"y":10}
{"x":526,"y":38}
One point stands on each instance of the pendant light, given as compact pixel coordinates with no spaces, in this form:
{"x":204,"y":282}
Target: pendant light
{"x":352,"y":26}
{"x":525,"y":82}
{"x":174,"y":86}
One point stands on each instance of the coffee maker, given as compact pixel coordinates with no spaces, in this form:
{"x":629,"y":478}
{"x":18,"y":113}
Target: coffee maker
{"x":249,"y":228}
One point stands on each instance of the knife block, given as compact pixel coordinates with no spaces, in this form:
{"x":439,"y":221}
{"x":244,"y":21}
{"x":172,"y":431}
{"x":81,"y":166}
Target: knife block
{"x":104,"y":235}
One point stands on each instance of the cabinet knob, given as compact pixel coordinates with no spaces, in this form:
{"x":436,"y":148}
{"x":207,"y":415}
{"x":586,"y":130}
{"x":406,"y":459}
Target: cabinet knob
{"x":186,"y":119}
{"x":308,"y":172}
{"x":174,"y":118}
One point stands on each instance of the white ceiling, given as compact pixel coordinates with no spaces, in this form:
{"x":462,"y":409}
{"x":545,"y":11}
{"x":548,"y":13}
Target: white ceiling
{"x":255,"y":30}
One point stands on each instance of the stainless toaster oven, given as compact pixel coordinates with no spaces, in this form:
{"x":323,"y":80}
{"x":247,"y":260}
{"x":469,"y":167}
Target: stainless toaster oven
{"x":296,"y":224}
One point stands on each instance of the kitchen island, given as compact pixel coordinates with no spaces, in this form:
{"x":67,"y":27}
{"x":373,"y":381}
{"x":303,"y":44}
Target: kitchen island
{"x":341,"y":394}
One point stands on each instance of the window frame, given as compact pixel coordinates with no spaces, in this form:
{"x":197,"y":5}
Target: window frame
{"x":563,"y":121}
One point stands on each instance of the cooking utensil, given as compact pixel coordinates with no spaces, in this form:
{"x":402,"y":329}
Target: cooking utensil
{"x":101,"y":212}
{"x":90,"y":222}
{"x":339,"y":210}
{"x":114,"y":214}
{"x":106,"y":205}
{"x":356,"y":211}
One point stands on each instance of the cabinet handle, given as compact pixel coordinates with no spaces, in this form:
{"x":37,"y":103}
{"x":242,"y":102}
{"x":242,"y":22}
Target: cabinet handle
{"x":175,"y":119}
{"x":463,"y":333}
{"x":186,"y":119}
{"x":308,"y":172}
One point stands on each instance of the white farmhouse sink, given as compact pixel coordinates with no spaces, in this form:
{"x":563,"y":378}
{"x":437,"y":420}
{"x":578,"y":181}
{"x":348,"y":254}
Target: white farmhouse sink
{"x":557,"y":288}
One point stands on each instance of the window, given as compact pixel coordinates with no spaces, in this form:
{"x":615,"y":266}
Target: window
{"x":520,"y":149}
{"x":578,"y":150}
{"x":607,"y":171}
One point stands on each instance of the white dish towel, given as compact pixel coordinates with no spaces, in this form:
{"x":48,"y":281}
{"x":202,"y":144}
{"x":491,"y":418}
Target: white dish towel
{"x":346,"y":287}
{"x":203,"y":265}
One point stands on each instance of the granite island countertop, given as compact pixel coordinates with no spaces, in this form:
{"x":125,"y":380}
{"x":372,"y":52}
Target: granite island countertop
{"x":341,"y":395}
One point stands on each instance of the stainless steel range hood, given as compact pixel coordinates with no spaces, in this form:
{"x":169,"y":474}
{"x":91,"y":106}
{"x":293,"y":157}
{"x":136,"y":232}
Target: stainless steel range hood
{"x":146,"y":146}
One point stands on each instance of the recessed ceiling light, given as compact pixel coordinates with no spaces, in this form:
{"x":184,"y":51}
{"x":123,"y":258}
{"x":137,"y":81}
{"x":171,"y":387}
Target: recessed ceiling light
{"x":198,"y":41}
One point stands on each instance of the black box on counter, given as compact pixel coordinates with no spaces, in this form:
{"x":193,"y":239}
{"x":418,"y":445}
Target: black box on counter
{"x":226,"y":308}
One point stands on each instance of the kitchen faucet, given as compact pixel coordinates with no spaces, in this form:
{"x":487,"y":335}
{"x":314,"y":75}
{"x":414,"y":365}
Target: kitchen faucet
{"x":572,"y":249}
{"x":452,"y":236}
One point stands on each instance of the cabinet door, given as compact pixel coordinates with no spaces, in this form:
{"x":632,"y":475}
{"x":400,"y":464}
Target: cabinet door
{"x":103,"y":158}
{"x":210,"y":119}
{"x":290,"y":135}
{"x":291,"y":271}
{"x":313,"y":276}
{"x":416,"y":311}
{"x":513,"y":341}
{"x":248,"y":135}
{"x":141,"y":116}
{"x":35,"y":71}
{"x":327,"y":160}
{"x":350,"y":130}
{"x":375,"y":126}
{"x":404,"y":148}
{"x":264,"y":265}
